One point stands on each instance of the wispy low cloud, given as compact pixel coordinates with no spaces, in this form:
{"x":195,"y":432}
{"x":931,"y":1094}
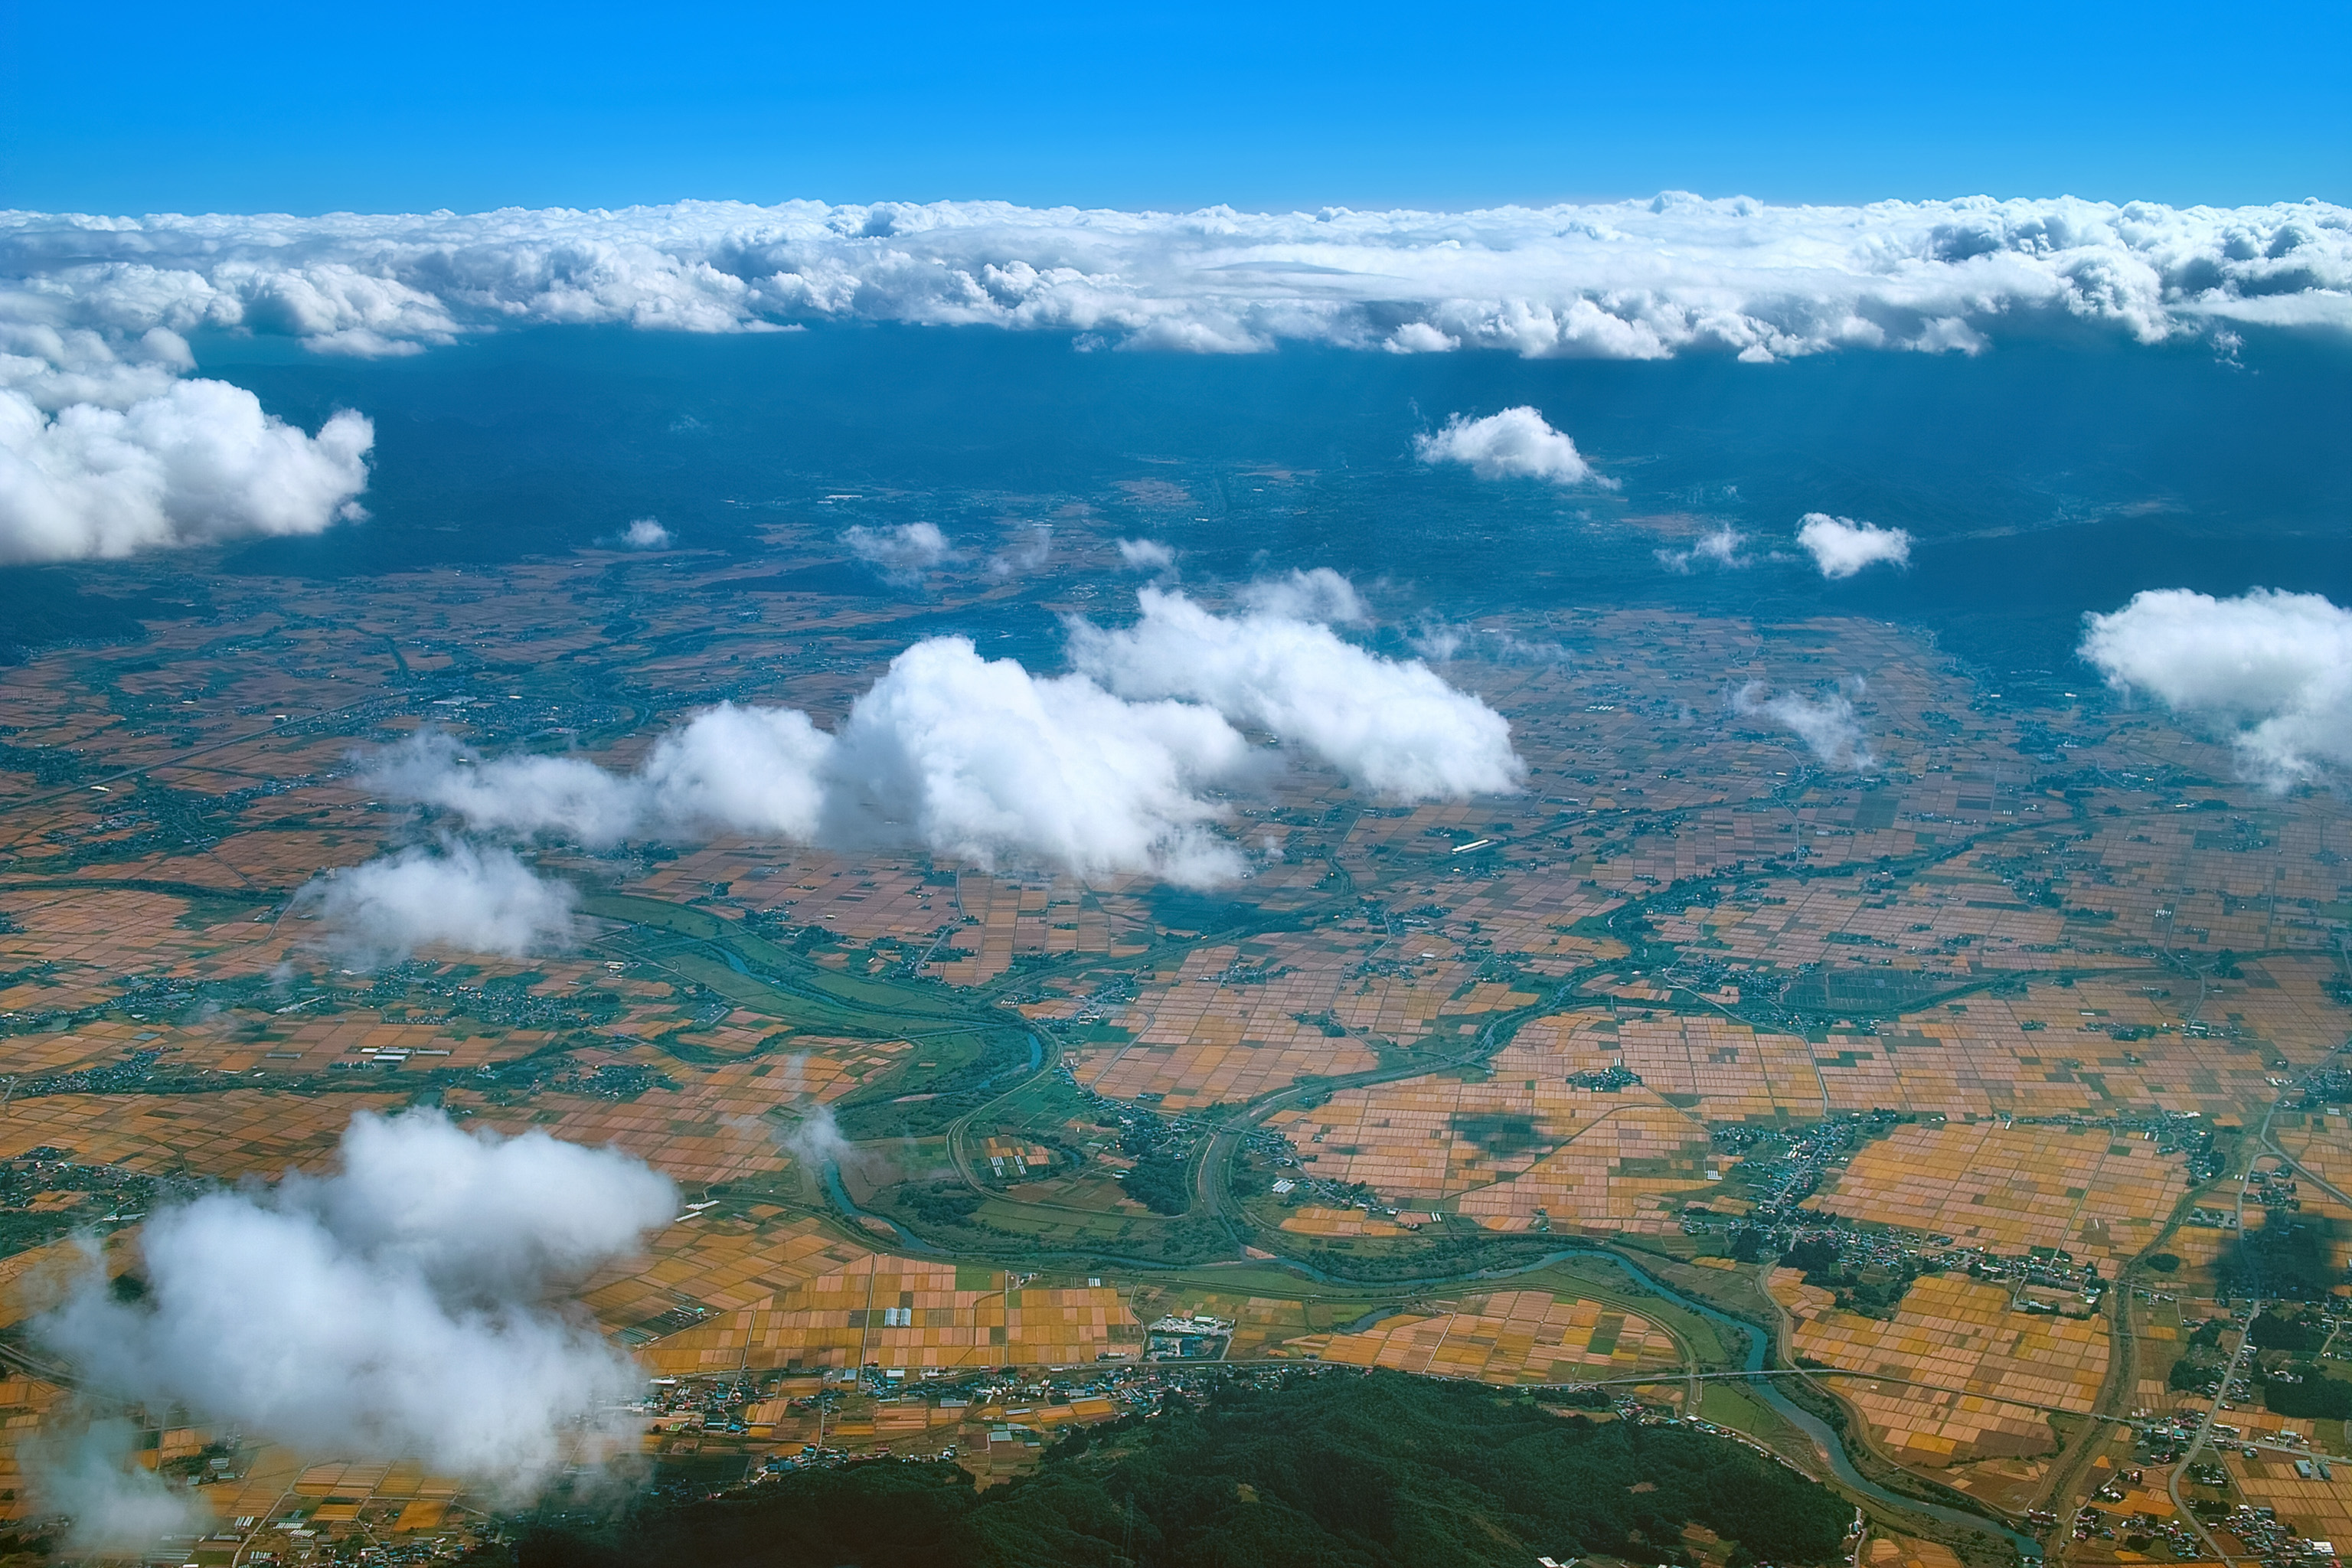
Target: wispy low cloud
{"x":815,"y":1140}
{"x":1115,"y":768}
{"x":1516,"y":444}
{"x":1718,"y":548}
{"x":396,"y":1308}
{"x":902,"y":553}
{"x":1321,"y":595}
{"x":1146,"y":556}
{"x":1442,"y":643}
{"x":2271,"y":670}
{"x":745,"y":770}
{"x":1840,"y":547}
{"x":1028,"y":548}
{"x":479,"y":899}
{"x":197,"y":464}
{"x":90,"y":1472}
{"x":1827,"y":725}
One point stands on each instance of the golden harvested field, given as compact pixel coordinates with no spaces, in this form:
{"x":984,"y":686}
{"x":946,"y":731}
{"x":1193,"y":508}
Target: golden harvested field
{"x":1515,"y":1144}
{"x":1905,"y":1551}
{"x":228,"y":1135}
{"x":788,"y":1298}
{"x":1510,"y":1337}
{"x":1961,"y":1336}
{"x":1315,"y":1219}
{"x":2009,"y":1188}
{"x":1978,"y":923}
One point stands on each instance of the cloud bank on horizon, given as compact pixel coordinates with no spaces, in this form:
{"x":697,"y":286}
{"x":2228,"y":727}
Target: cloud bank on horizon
{"x":1620,"y":280}
{"x":104,"y":450}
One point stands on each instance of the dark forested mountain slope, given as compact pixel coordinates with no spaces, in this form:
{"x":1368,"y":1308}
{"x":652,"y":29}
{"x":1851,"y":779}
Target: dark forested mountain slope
{"x":1330,"y":1470}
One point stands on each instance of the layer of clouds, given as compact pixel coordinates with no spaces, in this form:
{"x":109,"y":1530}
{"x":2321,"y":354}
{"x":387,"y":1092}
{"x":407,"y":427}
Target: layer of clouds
{"x":2274,"y":669}
{"x":395,"y":1308}
{"x":197,"y":462}
{"x":1515,"y":444}
{"x":1115,"y":768}
{"x":903,"y":553}
{"x":1635,"y":280}
{"x":1718,"y":548}
{"x":1842,"y":547}
{"x":479,"y":899}
{"x":1827,"y":725}
{"x":1396,"y":729}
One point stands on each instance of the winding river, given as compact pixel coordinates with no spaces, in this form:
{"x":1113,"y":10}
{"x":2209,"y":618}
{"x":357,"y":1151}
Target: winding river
{"x":1825,"y":1437}
{"x":1735,"y":1330}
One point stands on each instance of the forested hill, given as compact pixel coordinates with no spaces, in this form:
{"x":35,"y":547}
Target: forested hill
{"x":1336,"y":1470}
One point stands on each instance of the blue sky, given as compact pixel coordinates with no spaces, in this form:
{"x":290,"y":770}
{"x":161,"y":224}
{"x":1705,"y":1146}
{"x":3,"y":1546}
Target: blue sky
{"x":146,"y":107}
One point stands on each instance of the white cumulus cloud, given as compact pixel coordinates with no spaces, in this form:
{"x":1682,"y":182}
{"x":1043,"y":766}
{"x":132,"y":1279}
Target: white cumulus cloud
{"x":1515,"y":444}
{"x":1419,"y":338}
{"x":981,"y":760}
{"x":647,"y":534}
{"x":1115,"y":768}
{"x":194,"y":464}
{"x":1394,"y":727}
{"x":2272,"y":670}
{"x":1827,"y":725}
{"x":947,"y":752}
{"x":903,"y":553}
{"x":461,"y":896}
{"x":396,"y":1308}
{"x":1842,"y":547}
